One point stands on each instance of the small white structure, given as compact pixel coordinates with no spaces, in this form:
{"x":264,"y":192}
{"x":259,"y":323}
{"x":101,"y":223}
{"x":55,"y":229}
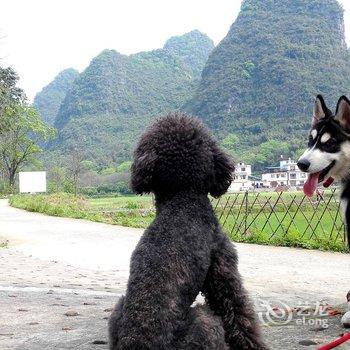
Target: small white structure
{"x":32,"y":181}
{"x":241,"y":181}
{"x":287,"y":174}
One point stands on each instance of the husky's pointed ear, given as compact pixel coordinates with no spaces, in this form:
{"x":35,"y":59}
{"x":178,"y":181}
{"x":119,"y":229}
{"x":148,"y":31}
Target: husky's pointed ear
{"x":320,"y":110}
{"x":342,"y":114}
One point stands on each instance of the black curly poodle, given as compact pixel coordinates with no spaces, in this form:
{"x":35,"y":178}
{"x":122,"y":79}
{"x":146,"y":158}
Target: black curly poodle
{"x":184,"y":251}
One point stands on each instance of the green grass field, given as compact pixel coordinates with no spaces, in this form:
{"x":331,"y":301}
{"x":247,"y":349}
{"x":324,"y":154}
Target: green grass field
{"x":131,"y":202}
{"x":269,"y":218}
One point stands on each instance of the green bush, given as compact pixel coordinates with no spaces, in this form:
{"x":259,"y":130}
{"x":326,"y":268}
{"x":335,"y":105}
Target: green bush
{"x":58,"y":204}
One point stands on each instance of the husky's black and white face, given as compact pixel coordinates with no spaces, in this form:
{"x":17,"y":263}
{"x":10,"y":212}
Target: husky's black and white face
{"x":328,"y":154}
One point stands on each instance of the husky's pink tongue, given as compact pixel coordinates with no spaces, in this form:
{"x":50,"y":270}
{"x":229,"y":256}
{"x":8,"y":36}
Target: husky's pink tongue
{"x":311,"y":184}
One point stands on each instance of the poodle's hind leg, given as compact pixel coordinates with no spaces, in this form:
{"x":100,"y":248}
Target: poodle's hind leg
{"x":202,"y":331}
{"x":225,"y":294}
{"x":114,"y":324}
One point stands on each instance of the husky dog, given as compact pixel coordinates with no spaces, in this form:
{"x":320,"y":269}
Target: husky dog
{"x":328,"y":154}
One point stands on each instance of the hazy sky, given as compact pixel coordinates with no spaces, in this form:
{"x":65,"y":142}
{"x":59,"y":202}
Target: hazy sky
{"x":39,"y":38}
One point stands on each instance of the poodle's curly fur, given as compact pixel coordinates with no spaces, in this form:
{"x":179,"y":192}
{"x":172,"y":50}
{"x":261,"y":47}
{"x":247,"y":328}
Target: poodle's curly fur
{"x":184,"y":251}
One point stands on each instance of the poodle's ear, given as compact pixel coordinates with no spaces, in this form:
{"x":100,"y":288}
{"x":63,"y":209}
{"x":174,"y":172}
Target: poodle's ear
{"x":142,"y":171}
{"x":223,"y":173}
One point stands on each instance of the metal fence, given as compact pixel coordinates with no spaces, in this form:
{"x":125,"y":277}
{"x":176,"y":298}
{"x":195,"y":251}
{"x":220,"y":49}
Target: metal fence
{"x":284,"y":218}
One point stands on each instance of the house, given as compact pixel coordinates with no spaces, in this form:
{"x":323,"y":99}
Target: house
{"x":241,"y":180}
{"x":286,"y":174}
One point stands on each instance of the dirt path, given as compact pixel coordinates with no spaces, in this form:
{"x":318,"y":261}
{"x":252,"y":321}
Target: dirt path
{"x":57,"y":266}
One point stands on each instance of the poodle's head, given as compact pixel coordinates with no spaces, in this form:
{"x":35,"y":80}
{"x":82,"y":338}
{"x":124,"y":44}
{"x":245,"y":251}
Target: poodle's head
{"x":178,"y":153}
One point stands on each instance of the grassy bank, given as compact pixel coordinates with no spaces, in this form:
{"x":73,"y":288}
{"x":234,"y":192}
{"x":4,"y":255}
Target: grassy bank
{"x":269,"y":218}
{"x":125,"y":211}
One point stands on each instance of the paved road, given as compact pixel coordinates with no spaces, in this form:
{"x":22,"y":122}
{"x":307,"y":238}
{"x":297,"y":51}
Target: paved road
{"x":56,"y":267}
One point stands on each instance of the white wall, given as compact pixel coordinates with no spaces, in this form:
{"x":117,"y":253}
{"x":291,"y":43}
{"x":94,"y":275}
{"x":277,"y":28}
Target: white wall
{"x":32,"y":181}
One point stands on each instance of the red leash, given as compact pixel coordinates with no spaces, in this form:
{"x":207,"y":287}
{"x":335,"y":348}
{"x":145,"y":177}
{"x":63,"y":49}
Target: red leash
{"x":336,"y":342}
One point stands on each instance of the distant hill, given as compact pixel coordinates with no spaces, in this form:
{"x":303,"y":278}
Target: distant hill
{"x":192,"y":48}
{"x":116,"y":97}
{"x":49,"y":99}
{"x":260,"y":82}
{"x":256,"y":89}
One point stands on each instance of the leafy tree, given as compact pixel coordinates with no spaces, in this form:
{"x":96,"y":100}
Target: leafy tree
{"x":75,"y":166}
{"x":57,"y":179}
{"x":9,"y":93}
{"x":19,"y":142}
